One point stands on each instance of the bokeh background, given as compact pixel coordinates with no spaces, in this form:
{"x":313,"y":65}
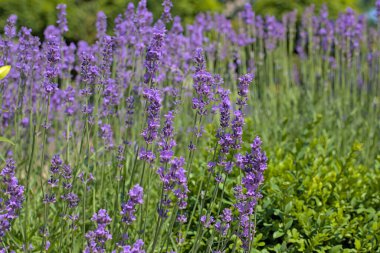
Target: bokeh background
{"x":37,"y":14}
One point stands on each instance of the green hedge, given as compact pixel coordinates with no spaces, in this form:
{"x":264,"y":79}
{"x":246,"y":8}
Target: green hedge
{"x":81,"y":14}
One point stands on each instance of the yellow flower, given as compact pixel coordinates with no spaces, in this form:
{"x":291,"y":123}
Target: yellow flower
{"x":4,"y":70}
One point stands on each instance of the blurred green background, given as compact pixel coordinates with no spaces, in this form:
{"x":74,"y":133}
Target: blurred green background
{"x":37,"y":14}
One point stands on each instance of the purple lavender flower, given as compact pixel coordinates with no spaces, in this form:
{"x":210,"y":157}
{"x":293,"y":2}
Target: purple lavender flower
{"x":107,"y":135}
{"x":71,"y":198}
{"x":248,"y":15}
{"x":136,"y":248}
{"x":153,"y":114}
{"x":49,"y":198}
{"x":101,"y":25}
{"x":66,"y":172}
{"x":274,"y":32}
{"x":53,"y":57}
{"x":56,"y":163}
{"x":12,"y":197}
{"x":243,"y":89}
{"x":96,"y":239}
{"x":166,"y":15}
{"x":182,"y":218}
{"x":326,"y":30}
{"x":10,"y":27}
{"x":68,"y":62}
{"x":69,"y":97}
{"x":167,"y":142}
{"x":154,"y":52}
{"x":130,"y":110}
{"x":207,"y":221}
{"x":199,"y":60}
{"x":107,"y":55}
{"x":136,"y":197}
{"x":174,"y":180}
{"x":25,"y":122}
{"x":224,"y":107}
{"x":378,"y":9}
{"x":146,"y":155}
{"x":203,"y":85}
{"x":237,"y":129}
{"x":26,"y":51}
{"x":111,"y":96}
{"x":88,"y":70}
{"x":253,"y":165}
{"x":62,"y":21}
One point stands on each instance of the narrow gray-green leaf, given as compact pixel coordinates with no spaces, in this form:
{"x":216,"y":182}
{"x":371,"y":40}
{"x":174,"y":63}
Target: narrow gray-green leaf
{"x":3,"y":139}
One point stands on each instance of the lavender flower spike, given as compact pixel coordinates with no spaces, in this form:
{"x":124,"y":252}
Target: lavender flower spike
{"x":243,"y":88}
{"x":154,"y":52}
{"x":136,"y":195}
{"x":12,"y":197}
{"x":62,"y":21}
{"x":153,"y":111}
{"x":97,"y":238}
{"x":253,"y":165}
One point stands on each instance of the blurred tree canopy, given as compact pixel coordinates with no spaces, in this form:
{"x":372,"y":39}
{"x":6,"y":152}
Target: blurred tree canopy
{"x":81,"y":14}
{"x":277,"y":7}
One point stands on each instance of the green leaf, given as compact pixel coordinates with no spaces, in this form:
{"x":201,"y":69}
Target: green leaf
{"x":288,"y":207}
{"x":288,"y":224}
{"x":358,"y":244}
{"x":336,"y":249}
{"x":3,"y":139}
{"x":278,"y":234}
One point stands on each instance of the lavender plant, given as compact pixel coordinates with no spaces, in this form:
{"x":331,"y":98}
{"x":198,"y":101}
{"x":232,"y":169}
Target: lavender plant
{"x":139,"y":142}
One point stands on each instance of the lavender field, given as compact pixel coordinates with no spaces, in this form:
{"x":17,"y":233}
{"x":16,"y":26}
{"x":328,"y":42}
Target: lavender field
{"x":251,"y":134}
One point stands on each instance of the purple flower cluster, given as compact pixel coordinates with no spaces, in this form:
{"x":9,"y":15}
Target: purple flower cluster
{"x":107,"y":135}
{"x":62,"y":21}
{"x":174,"y":181}
{"x":136,"y":248}
{"x":167,"y":142}
{"x":349,"y":32}
{"x":274,"y":32}
{"x":222,"y":226}
{"x":166,"y":15}
{"x":154,"y":99}
{"x":61,"y":172}
{"x":146,"y":155}
{"x":88,"y":69}
{"x":128,"y":209}
{"x":224,"y":108}
{"x":53,"y":58}
{"x":130,"y":110}
{"x":101,"y":25}
{"x":203,"y":84}
{"x":237,"y":129}
{"x":10,"y":27}
{"x":154,"y":53}
{"x":207,"y":221}
{"x":111,"y":97}
{"x":253,"y":165}
{"x":243,"y":89}
{"x":107,"y":49}
{"x":12,"y":197}
{"x":92,"y":88}
{"x":69,"y":97}
{"x":96,"y":239}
